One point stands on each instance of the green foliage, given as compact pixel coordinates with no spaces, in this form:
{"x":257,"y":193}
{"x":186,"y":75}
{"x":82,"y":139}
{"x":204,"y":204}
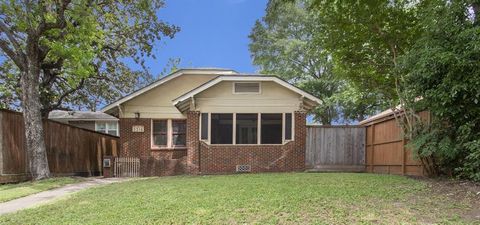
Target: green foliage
{"x":83,"y":46}
{"x":283,"y":43}
{"x":443,"y":68}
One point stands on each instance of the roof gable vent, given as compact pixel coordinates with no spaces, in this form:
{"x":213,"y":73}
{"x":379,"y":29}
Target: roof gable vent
{"x":246,"y":87}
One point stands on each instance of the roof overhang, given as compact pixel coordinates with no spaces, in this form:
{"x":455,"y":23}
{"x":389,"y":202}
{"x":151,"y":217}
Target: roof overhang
{"x":211,"y":71}
{"x":184,"y":102}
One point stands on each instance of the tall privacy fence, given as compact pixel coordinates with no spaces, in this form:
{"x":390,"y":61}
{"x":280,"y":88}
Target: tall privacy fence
{"x":387,"y":149}
{"x":335,"y":148}
{"x":70,"y":150}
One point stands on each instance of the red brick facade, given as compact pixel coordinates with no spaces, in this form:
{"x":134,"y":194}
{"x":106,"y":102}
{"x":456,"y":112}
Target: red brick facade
{"x":153,"y":162}
{"x":202,"y":158}
{"x":261,"y":158}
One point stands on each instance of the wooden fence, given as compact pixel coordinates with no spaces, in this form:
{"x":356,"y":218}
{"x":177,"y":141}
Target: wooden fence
{"x":335,"y":148}
{"x":386,"y":147}
{"x":70,"y":150}
{"x":126,"y":167}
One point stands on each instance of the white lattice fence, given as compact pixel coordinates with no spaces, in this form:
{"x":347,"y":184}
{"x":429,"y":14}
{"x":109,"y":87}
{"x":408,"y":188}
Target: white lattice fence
{"x":126,"y":167}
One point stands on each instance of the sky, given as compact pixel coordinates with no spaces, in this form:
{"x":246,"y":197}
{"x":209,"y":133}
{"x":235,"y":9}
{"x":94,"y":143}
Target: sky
{"x":213,"y":33}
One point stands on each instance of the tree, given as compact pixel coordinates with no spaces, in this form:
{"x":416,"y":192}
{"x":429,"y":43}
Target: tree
{"x":57,"y":46}
{"x":443,"y":68}
{"x":283,"y":43}
{"x":366,"y":38}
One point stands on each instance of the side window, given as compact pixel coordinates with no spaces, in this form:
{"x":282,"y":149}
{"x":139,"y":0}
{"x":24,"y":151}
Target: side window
{"x":112,"y":128}
{"x":101,"y":127}
{"x":204,"y":124}
{"x":288,"y":126}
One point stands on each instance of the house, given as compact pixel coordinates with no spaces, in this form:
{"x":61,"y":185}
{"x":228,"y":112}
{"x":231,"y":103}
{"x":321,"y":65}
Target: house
{"x":97,"y":121}
{"x":215,"y":121}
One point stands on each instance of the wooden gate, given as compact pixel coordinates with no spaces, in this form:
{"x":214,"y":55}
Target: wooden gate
{"x":126,"y":167}
{"x":335,"y":148}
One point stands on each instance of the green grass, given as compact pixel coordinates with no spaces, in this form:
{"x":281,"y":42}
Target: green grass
{"x":288,"y":198}
{"x":12,"y":191}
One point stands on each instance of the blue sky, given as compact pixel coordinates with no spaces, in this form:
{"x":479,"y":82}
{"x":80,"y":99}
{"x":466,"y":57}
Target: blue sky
{"x":214,"y":33}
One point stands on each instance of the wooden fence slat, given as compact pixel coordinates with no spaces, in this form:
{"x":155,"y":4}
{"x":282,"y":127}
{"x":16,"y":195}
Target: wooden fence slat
{"x":335,"y":148}
{"x":70,"y":150}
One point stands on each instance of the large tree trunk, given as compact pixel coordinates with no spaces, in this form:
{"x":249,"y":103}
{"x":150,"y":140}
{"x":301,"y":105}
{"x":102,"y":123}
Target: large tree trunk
{"x":29,"y":82}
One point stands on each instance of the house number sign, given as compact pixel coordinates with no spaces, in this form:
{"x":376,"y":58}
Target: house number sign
{"x":138,"y":128}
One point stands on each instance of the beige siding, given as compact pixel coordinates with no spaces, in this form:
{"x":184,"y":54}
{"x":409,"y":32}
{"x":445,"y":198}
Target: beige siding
{"x":157,"y":103}
{"x":273,"y":98}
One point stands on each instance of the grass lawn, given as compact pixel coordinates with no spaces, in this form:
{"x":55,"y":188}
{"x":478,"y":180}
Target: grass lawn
{"x":288,"y":198}
{"x":13,"y":191}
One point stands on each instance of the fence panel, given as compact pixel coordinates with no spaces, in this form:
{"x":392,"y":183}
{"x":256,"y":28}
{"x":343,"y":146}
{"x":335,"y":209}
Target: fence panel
{"x":387,"y":150}
{"x":335,"y":148}
{"x":70,"y":150}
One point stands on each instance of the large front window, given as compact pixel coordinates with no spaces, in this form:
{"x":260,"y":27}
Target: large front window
{"x":246,"y":128}
{"x":169,"y":133}
{"x":222,"y":128}
{"x":271,"y":128}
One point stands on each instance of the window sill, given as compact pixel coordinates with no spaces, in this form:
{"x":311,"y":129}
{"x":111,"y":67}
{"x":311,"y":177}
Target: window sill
{"x":240,"y":145}
{"x":168,"y":148}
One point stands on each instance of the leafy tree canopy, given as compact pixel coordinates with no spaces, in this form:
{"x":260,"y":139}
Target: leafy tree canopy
{"x":283,"y":43}
{"x":84,"y":47}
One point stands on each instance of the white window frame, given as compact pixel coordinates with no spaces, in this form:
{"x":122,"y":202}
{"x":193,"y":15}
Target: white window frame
{"x":106,"y":127}
{"x":259,"y":129}
{"x":169,"y":135}
{"x":247,"y":93}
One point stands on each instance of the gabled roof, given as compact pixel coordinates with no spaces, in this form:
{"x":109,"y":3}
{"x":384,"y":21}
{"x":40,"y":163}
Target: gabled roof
{"x":213,"y":71}
{"x":80,"y":115}
{"x":181,"y":101}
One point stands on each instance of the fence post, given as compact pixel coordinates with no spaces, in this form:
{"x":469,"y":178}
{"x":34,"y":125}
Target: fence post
{"x":1,"y":143}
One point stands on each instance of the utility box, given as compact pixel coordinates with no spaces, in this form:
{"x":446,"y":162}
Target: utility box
{"x":108,"y":166}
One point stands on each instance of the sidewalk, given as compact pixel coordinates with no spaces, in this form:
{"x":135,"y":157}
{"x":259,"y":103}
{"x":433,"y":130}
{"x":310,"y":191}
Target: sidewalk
{"x":47,"y":196}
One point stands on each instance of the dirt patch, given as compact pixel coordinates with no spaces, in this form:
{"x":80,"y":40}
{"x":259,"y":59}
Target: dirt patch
{"x":464,"y":196}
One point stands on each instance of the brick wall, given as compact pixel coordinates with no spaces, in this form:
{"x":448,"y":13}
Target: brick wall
{"x":261,"y":158}
{"x":153,"y":162}
{"x":193,"y":141}
{"x":199,"y":157}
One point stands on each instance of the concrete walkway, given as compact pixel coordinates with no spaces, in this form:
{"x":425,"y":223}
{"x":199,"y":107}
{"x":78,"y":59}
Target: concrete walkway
{"x":47,"y":196}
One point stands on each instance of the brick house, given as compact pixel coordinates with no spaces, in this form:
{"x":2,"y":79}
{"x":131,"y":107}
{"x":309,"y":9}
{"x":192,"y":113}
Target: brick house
{"x":206,"y":121}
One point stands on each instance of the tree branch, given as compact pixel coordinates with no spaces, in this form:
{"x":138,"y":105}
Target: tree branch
{"x":4,"y":28}
{"x":18,"y":60}
{"x":60,"y":23}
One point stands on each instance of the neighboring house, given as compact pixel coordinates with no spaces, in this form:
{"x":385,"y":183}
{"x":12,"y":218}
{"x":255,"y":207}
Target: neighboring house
{"x":97,"y":121}
{"x":216,"y":121}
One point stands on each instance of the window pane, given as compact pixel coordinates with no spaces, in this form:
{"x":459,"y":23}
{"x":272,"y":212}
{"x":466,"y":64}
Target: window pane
{"x":204,"y":135}
{"x":112,"y":125}
{"x":288,"y":126}
{"x":160,"y":126}
{"x":112,"y":132}
{"x":160,"y":139}
{"x":179,"y":126}
{"x":179,"y":140}
{"x":271,"y":128}
{"x":101,"y":127}
{"x":160,"y":132}
{"x":222,"y":128}
{"x":247,"y":128}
